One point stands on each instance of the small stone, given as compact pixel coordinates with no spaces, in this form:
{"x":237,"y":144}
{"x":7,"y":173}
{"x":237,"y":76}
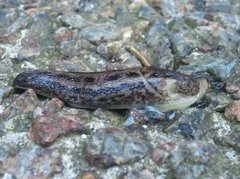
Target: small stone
{"x":12,"y":33}
{"x":29,"y":49}
{"x":6,"y":71}
{"x":187,"y":159}
{"x":219,"y":67}
{"x":233,"y":84}
{"x":47,"y":128}
{"x":25,"y":103}
{"x":9,"y":37}
{"x":109,"y":147}
{"x":107,"y":115}
{"x":107,"y":13}
{"x":216,"y":6}
{"x":147,"y":12}
{"x":182,"y":43}
{"x":191,"y":124}
{"x":218,"y":100}
{"x":233,"y":111}
{"x":42,"y":30}
{"x":236,"y":96}
{"x":100,"y":33}
{"x":137,"y":116}
{"x":168,"y":8}
{"x":62,"y":34}
{"x":139,"y":174}
{"x":156,"y":33}
{"x":75,"y":47}
{"x":163,"y":55}
{"x":161,"y":153}
{"x":229,"y":140}
{"x":88,"y":176}
{"x":17,"y":116}
{"x":4,"y":92}
{"x":75,"y":21}
{"x":43,"y":163}
{"x":74,"y":64}
{"x":52,"y":106}
{"x":232,"y":88}
{"x":109,"y":51}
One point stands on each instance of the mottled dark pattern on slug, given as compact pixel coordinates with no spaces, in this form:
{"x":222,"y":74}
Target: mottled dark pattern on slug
{"x":116,"y":89}
{"x":188,"y":86}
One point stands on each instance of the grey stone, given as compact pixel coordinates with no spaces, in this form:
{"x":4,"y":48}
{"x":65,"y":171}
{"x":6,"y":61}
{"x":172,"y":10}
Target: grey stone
{"x":100,"y":33}
{"x":156,"y":32}
{"x":29,"y":164}
{"x":109,"y":147}
{"x":219,"y":67}
{"x":218,"y":100}
{"x":182,"y":46}
{"x":75,"y":21}
{"x":4,"y":92}
{"x":147,"y":12}
{"x":190,"y":159}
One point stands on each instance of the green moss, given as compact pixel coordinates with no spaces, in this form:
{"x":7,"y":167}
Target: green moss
{"x":190,"y":23}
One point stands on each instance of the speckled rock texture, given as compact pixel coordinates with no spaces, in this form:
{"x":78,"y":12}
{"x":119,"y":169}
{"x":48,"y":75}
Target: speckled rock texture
{"x":44,"y":138}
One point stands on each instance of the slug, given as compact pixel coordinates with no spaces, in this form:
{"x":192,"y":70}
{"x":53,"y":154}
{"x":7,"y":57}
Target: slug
{"x":117,"y":89}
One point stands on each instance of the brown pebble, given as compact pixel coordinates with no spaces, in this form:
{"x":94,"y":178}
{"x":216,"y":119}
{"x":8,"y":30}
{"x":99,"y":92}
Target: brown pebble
{"x":87,"y":176}
{"x":232,"y":111}
{"x":62,"y":34}
{"x":53,"y":106}
{"x":25,"y":103}
{"x":47,"y":128}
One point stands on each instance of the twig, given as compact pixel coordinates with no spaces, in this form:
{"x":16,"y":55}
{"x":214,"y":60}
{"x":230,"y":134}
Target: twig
{"x":139,"y":56}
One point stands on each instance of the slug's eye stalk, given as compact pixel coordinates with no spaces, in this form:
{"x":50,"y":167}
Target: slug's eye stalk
{"x":189,"y":87}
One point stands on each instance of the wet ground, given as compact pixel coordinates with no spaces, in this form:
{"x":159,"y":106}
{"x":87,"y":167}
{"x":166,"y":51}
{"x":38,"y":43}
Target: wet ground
{"x":43,"y":138}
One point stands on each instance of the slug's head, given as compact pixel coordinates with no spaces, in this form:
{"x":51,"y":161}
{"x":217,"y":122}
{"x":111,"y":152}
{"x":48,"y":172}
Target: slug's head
{"x":23,"y":80}
{"x":182,"y":92}
{"x":177,"y":91}
{"x":31,"y":79}
{"x":189,"y":86}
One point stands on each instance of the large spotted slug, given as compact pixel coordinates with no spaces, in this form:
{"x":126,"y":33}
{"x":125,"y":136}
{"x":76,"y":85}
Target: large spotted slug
{"x":118,"y":89}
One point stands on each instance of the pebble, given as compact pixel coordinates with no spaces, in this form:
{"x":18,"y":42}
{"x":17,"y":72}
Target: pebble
{"x":156,"y":32}
{"x":218,"y":67}
{"x":74,"y":48}
{"x":88,"y":176}
{"x":188,"y":159}
{"x":25,"y":103}
{"x":62,"y":34}
{"x":53,"y":106}
{"x":190,"y":124}
{"x":139,"y":174}
{"x":111,"y":146}
{"x":218,"y":100}
{"x":4,"y":92}
{"x":232,"y":111}
{"x":75,"y":21}
{"x":233,"y":83}
{"x":100,"y":33}
{"x":47,"y":128}
{"x":32,"y":159}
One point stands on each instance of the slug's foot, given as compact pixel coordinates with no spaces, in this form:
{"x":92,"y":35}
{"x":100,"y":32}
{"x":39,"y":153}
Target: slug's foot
{"x":147,"y":115}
